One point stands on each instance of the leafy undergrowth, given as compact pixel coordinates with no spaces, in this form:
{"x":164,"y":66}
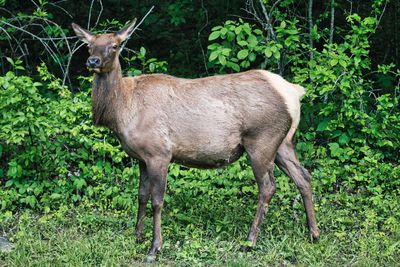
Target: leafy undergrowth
{"x":200,"y":236}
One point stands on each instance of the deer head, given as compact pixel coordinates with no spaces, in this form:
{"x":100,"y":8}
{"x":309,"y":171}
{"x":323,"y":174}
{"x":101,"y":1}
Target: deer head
{"x":103,"y":48}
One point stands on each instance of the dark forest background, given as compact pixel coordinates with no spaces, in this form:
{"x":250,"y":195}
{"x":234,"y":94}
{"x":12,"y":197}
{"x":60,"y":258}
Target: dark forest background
{"x":177,"y":31}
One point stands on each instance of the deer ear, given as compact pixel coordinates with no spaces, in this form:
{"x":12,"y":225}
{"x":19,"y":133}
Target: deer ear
{"x":126,"y":31}
{"x":84,"y":35}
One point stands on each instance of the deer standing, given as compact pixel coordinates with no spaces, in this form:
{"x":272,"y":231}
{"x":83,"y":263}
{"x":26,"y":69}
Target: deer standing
{"x":205,"y":123}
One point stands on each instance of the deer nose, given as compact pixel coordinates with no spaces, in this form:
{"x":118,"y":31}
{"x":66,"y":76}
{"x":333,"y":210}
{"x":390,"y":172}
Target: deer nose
{"x":93,"y":62}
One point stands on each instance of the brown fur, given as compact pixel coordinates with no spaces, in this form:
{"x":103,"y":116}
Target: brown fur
{"x":205,"y":123}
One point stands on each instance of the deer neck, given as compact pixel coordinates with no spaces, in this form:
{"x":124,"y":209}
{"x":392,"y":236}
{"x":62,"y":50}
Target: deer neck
{"x":106,"y":97}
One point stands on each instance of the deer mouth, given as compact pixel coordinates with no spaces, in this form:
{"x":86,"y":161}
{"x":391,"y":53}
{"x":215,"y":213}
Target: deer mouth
{"x":96,"y":70}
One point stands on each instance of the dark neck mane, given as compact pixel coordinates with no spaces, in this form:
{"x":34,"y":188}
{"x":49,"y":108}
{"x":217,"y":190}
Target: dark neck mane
{"x":105,"y":96}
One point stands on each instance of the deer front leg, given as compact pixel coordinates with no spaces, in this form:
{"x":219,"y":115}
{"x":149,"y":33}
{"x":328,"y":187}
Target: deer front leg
{"x":261,"y":158}
{"x":266,"y":186}
{"x":143,"y":197}
{"x":157,"y":171}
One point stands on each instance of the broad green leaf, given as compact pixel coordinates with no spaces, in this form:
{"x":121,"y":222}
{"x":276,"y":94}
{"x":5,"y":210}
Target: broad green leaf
{"x":322,"y":125}
{"x":344,"y":139}
{"x":142,"y":51}
{"x":252,"y":40}
{"x":252,"y":57}
{"x":9,"y":183}
{"x":216,"y":28}
{"x":268,"y":52}
{"x":242,"y":54}
{"x":277,"y":55}
{"x":222,"y":59}
{"x":335,"y":149}
{"x":79,"y":183}
{"x":333,"y":62}
{"x":230,"y":36}
{"x":10,"y":60}
{"x":233,"y":66}
{"x":238,"y":30}
{"x":342,"y":63}
{"x":292,"y":31}
{"x":213,"y":46}
{"x":214,"y":35}
{"x":226,"y":51}
{"x":213,"y":55}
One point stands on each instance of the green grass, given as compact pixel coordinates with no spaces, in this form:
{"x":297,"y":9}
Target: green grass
{"x":208,"y":233}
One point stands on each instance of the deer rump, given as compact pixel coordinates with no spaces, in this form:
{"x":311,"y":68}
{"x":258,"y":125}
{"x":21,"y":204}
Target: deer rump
{"x":203,"y":122}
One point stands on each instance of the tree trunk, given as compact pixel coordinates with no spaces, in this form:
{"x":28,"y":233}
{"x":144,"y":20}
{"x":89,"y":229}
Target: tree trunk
{"x":332,"y":22}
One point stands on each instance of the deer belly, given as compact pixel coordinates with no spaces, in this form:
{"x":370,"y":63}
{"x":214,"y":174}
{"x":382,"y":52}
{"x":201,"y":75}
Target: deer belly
{"x":206,"y":158}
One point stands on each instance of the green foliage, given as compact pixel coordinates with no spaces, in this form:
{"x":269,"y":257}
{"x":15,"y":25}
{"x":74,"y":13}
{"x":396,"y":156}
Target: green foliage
{"x":54,"y":155}
{"x":239,"y":45}
{"x":339,"y":101}
{"x":346,"y":125}
{"x":53,"y":160}
{"x":139,"y":64}
{"x":177,"y":12}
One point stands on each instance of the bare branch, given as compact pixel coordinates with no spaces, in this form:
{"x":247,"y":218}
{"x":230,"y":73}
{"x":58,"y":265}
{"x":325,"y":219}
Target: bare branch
{"x":46,"y":46}
{"x":61,"y":8}
{"x":137,"y":26}
{"x":90,"y":14}
{"x":267,"y":18}
{"x":198,"y":36}
{"x":380,"y":17}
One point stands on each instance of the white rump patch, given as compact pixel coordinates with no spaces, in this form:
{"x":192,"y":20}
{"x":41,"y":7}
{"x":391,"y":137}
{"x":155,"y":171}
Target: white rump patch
{"x":291,"y":93}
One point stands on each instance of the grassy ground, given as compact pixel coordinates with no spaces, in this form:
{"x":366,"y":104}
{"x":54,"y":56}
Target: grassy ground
{"x":201,"y":237}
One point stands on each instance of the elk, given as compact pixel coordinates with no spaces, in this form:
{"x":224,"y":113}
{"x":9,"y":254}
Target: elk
{"x":205,"y":123}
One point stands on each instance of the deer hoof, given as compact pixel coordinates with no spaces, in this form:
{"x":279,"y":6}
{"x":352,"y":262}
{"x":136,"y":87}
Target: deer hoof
{"x":314,"y":236}
{"x":150,"y":259}
{"x":139,"y":239}
{"x":245,"y":248}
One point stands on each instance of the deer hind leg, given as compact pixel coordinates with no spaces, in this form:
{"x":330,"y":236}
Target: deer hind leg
{"x":262,"y":162}
{"x":287,"y":161}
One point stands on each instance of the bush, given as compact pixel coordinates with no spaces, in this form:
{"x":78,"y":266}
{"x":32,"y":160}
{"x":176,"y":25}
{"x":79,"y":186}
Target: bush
{"x":349,"y":131}
{"x":51,"y":152}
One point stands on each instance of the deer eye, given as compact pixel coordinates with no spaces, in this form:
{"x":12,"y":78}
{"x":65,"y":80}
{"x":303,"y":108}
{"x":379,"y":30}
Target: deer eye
{"x":115,"y":46}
